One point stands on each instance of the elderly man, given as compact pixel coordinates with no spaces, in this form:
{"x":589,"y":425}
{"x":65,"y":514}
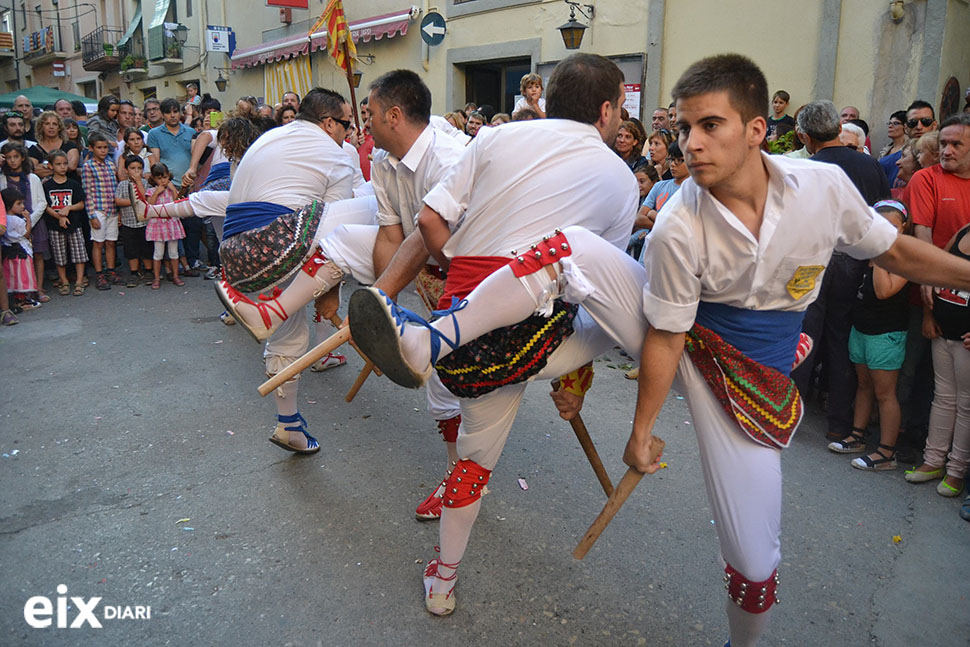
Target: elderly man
{"x":829,"y":319}
{"x":848,"y":114}
{"x":660,"y":120}
{"x":64,"y":109}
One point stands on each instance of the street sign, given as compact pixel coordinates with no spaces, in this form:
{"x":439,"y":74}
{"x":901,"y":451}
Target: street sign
{"x":433,"y":28}
{"x":218,"y":39}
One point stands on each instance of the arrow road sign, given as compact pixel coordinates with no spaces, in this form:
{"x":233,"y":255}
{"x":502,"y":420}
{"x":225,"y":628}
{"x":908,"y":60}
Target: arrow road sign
{"x":433,"y":28}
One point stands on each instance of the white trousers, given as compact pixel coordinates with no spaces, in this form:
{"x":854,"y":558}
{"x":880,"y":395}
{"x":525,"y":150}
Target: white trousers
{"x":292,"y":338}
{"x":351,"y":248}
{"x":743,"y":479}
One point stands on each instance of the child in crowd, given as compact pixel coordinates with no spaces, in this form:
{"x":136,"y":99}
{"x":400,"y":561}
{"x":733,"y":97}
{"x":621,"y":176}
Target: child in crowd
{"x":164,"y":231}
{"x":134,"y":145}
{"x":72,"y":133}
{"x":531,"y":88}
{"x":18,"y":265}
{"x":64,"y":216}
{"x":947,"y":452}
{"x":646,"y":176}
{"x":99,"y":179}
{"x":132,"y":231}
{"x":7,"y":317}
{"x":17,"y":173}
{"x":877,"y":347}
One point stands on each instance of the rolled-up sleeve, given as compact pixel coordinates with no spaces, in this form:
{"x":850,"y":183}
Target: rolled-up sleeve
{"x":449,"y":198}
{"x":863,"y":232}
{"x":673,"y":287}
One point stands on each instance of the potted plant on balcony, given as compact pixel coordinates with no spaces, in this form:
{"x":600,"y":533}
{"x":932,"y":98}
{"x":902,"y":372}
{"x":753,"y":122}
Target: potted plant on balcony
{"x":173,"y":51}
{"x":133,"y":63}
{"x":109,"y":49}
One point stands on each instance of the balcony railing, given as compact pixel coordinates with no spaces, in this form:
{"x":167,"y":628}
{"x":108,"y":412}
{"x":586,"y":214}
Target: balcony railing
{"x":42,"y":47}
{"x":99,"y":49}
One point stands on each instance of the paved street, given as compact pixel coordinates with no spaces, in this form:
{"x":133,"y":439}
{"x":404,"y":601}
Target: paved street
{"x":135,"y":468}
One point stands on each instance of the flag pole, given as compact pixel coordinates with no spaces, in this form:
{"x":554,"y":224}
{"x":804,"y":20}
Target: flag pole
{"x":350,"y":82}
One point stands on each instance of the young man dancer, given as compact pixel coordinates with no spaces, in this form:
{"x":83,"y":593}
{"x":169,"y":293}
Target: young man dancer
{"x":734,"y":261}
{"x":413,"y":157}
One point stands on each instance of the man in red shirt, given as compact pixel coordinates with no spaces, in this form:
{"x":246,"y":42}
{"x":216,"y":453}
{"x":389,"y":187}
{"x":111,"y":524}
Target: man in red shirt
{"x":939,"y":196}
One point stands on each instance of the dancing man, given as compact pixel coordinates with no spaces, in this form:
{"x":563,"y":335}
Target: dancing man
{"x":291,"y":188}
{"x":735,"y":259}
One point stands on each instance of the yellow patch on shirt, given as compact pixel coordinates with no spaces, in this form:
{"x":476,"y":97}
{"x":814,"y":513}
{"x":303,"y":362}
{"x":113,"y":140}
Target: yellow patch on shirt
{"x":803,"y":281}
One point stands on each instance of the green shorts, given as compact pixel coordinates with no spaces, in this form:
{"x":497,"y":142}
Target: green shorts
{"x":883,"y":352}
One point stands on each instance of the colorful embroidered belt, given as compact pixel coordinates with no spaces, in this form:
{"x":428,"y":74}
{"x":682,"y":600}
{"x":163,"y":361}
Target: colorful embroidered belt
{"x":764,"y":402}
{"x":506,"y":355}
{"x":262,"y":258}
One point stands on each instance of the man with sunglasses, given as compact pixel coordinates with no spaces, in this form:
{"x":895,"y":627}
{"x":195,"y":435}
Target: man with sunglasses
{"x":290,"y":190}
{"x":920,"y":119}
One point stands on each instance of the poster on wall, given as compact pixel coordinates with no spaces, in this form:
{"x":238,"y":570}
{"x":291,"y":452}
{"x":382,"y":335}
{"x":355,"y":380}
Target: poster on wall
{"x":632,"y":100}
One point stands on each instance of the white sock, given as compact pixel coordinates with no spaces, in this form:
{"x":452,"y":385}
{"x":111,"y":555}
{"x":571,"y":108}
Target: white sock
{"x":500,"y":300}
{"x":286,"y":394}
{"x":746,"y":628}
{"x":455,"y":528}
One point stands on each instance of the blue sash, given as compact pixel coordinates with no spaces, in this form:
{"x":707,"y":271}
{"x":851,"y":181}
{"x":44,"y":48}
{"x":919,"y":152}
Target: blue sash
{"x":217,"y":172}
{"x":769,"y":337}
{"x":246,"y":216}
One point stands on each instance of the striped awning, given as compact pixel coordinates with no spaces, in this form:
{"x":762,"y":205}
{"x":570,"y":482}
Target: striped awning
{"x":135,"y":22}
{"x":374,"y":28}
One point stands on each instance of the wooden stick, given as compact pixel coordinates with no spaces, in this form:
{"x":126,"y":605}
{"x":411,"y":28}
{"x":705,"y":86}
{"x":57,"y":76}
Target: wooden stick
{"x":337,"y":322}
{"x":359,"y":382}
{"x":582,"y":434}
{"x":313,"y":355}
{"x":623,"y":490}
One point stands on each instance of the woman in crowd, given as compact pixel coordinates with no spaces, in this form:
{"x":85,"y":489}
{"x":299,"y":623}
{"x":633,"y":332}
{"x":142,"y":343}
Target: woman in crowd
{"x":928,"y":149}
{"x":50,"y":137}
{"x":892,"y":151}
{"x":456,"y":119}
{"x":907,"y":165}
{"x":286,"y":115}
{"x":659,"y":142}
{"x":629,"y":145}
{"x":947,"y":452}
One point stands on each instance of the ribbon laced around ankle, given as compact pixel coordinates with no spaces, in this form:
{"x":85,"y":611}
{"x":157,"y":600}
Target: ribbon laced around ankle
{"x":404,"y":316}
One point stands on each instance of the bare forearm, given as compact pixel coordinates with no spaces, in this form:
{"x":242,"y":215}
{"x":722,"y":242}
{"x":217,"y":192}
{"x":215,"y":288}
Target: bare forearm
{"x":389,"y":238}
{"x":411,"y":256}
{"x":435,"y":231}
{"x":924,"y":263}
{"x":658,"y":365}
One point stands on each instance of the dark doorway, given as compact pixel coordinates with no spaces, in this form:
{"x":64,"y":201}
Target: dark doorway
{"x":495,"y":83}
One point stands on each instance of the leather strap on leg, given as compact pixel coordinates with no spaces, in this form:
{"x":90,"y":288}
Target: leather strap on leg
{"x":449,"y":428}
{"x":466,"y":484}
{"x":753,"y":597}
{"x":547,"y":252}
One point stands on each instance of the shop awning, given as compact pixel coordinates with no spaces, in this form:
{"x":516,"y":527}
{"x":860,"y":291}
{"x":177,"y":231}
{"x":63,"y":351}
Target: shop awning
{"x":135,"y":22}
{"x":373,"y":28}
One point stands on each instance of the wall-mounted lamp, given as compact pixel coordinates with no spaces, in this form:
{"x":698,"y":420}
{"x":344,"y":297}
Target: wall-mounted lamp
{"x":896,"y":10}
{"x":222,"y":81}
{"x":572,"y":31}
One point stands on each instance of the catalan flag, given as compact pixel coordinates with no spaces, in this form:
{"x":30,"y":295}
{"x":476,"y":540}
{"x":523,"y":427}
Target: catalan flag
{"x":338,"y":34}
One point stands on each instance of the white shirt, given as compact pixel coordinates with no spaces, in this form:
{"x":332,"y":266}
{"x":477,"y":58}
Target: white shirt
{"x":38,"y":199}
{"x":699,"y":250}
{"x":354,"y":162}
{"x":293,"y":165}
{"x":218,"y":157}
{"x":521,"y":103}
{"x":401,"y":184}
{"x":445,"y":126}
{"x":515,"y":184}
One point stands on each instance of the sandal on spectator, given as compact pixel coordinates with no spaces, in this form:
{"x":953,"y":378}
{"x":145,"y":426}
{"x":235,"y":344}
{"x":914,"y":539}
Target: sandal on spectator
{"x":177,"y":281}
{"x":78,"y":290}
{"x":916,"y":476}
{"x":854,"y":443}
{"x":42,"y":297}
{"x":63,"y":289}
{"x":871,"y":464}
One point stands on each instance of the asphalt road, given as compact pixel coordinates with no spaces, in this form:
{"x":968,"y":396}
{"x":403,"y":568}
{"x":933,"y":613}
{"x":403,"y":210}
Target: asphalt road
{"x":135,"y":468}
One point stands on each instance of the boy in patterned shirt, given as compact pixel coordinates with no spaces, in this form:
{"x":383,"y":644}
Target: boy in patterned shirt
{"x":99,"y":180}
{"x":132,"y":232}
